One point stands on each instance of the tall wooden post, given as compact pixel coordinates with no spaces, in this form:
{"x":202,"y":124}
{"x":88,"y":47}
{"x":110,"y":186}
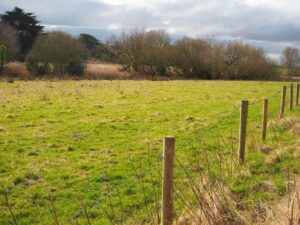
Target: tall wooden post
{"x":291,"y":96}
{"x":167,"y":188}
{"x":282,"y":106}
{"x":243,"y":130}
{"x":297,"y":94}
{"x":265,"y":119}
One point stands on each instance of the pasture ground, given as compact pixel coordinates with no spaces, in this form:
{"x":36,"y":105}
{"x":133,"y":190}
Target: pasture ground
{"x":82,"y":139}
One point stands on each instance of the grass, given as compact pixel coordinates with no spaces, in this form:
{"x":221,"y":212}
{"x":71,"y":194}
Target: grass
{"x":92,"y":139}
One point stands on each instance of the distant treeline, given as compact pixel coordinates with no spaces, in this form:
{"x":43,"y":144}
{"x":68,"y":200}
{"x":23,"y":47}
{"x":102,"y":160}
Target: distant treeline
{"x":153,"y":53}
{"x":144,"y":52}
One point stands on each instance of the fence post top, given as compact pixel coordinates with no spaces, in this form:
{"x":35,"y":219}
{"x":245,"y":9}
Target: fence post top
{"x":169,"y":137}
{"x":244,"y":101}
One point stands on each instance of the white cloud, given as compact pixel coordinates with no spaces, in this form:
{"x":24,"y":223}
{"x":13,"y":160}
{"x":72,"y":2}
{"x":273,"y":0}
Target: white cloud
{"x":114,"y":26}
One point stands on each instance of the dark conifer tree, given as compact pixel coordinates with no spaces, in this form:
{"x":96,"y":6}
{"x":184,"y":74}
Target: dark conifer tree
{"x":27,"y":28}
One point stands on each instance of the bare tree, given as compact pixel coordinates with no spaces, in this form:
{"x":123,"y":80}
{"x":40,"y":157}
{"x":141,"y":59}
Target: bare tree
{"x":8,"y":38}
{"x":190,"y":58}
{"x":236,"y":60}
{"x":142,"y":51}
{"x":58,"y":53}
{"x":291,"y":59}
{"x":153,"y":53}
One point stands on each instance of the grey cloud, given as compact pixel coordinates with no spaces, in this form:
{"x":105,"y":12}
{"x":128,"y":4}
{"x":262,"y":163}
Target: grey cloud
{"x":261,"y":24}
{"x":67,"y":12}
{"x":101,"y":34}
{"x":83,"y":13}
{"x":274,"y":32}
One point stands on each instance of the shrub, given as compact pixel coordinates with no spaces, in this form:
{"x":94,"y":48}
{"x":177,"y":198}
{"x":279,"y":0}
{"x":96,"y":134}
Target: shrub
{"x":57,"y":53}
{"x":74,"y":66}
{"x":40,"y":68}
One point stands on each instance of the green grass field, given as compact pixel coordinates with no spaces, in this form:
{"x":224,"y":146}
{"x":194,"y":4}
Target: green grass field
{"x":82,"y":139}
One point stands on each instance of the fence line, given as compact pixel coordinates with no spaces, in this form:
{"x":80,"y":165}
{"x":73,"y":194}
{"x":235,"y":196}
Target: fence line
{"x":244,"y":114}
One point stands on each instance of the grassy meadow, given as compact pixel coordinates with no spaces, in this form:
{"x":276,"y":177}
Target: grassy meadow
{"x":64,"y":144}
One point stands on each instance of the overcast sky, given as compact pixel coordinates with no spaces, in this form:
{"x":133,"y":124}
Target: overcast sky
{"x":272,"y":24}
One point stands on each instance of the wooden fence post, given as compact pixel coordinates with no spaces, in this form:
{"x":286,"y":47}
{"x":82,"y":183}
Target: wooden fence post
{"x":297,"y":94}
{"x":265,"y":119}
{"x":282,"y":107}
{"x":167,"y":188}
{"x":243,"y":130}
{"x":291,"y":96}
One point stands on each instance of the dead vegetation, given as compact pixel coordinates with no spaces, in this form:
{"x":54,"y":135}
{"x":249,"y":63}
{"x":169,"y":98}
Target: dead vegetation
{"x":285,"y":211}
{"x":95,"y":70}
{"x":16,"y":69}
{"x":218,"y":206}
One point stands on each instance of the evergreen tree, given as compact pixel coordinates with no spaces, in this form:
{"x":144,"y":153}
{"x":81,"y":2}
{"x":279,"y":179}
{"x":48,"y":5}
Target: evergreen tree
{"x":27,"y":28}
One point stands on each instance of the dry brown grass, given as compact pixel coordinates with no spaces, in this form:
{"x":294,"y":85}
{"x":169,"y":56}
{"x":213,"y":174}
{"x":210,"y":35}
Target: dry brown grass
{"x":95,"y":70}
{"x":285,"y":211}
{"x":102,"y":70}
{"x":110,"y":71}
{"x":216,"y":207}
{"x":16,"y":69}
